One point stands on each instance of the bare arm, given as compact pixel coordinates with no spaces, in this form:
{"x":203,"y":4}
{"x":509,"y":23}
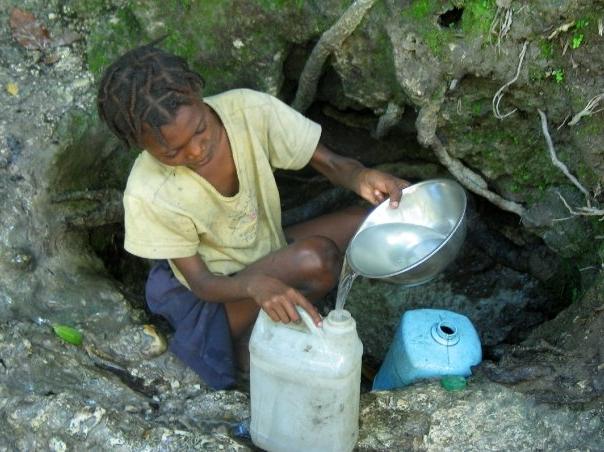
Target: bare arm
{"x":370,"y":184}
{"x":210,"y":287}
{"x":276,"y":298}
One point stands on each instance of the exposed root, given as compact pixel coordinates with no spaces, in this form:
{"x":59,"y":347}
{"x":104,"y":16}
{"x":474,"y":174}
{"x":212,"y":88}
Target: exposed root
{"x":472,"y":181}
{"x":583,"y":211}
{"x":499,"y":94}
{"x":389,"y":119}
{"x":590,"y":109}
{"x":564,"y":121}
{"x":580,"y":211}
{"x":561,"y":29}
{"x":502,"y":22}
{"x":329,"y":41}
{"x":560,"y":165}
{"x":426,"y":127}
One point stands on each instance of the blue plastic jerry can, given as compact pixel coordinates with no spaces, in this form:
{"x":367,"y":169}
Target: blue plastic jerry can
{"x":429,"y":343}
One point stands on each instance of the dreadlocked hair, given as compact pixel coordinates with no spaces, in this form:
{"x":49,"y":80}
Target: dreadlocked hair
{"x":145,"y":86}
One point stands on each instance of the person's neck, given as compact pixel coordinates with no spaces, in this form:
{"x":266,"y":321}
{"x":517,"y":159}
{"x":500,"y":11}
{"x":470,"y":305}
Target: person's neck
{"x":221,"y":173}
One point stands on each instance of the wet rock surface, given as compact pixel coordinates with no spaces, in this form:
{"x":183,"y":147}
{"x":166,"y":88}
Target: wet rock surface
{"x":61,"y":177}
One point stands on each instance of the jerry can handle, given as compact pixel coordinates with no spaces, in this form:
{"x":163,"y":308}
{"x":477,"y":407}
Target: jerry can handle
{"x":305,"y":316}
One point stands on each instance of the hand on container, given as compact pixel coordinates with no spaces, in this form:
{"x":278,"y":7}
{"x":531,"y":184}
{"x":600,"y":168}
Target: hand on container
{"x":375,"y":186}
{"x":279,"y":300}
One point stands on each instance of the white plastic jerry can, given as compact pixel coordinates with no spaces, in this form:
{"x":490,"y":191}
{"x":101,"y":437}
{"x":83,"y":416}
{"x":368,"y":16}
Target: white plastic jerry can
{"x":429,"y":343}
{"x":305,"y":384}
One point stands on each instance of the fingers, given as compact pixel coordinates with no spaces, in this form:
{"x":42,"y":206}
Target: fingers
{"x":276,"y":310}
{"x":397,"y":192}
{"x":394,"y":188}
{"x":395,"y":197}
{"x":376,"y":186}
{"x":378,"y":196}
{"x":312,"y":311}
{"x":282,"y":308}
{"x":301,"y":301}
{"x":281,"y":314}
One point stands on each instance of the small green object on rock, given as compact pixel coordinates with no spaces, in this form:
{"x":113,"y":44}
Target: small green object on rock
{"x":68,"y":334}
{"x":453,"y":382}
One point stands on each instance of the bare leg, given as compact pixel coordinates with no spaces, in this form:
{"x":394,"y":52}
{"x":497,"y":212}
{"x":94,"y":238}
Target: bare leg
{"x":311,"y":264}
{"x":338,"y":226}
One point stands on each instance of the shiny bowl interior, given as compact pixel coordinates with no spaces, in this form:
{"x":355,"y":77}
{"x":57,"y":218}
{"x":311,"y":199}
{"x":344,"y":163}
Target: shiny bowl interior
{"x":414,"y":242}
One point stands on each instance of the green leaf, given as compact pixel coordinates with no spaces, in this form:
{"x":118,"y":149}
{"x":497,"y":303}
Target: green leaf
{"x":68,"y":334}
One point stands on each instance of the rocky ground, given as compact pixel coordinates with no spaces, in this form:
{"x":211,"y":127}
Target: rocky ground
{"x":539,"y":313}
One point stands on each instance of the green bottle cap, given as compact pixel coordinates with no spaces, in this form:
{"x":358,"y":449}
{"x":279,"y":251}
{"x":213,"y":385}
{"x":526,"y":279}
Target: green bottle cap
{"x":453,"y":382}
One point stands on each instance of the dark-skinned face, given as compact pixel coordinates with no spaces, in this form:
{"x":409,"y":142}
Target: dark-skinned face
{"x":191,"y":139}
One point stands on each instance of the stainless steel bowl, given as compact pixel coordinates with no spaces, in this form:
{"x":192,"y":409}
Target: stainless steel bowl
{"x":413,"y":243}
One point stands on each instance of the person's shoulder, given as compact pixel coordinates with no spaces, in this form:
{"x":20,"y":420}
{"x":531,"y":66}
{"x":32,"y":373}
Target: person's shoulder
{"x":146,"y":176}
{"x":239,"y":99}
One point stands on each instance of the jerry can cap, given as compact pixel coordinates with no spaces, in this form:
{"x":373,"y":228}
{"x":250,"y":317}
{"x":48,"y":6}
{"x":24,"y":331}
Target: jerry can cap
{"x":453,"y":382}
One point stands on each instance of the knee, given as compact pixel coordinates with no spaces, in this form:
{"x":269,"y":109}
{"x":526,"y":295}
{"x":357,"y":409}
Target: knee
{"x":320,"y":261}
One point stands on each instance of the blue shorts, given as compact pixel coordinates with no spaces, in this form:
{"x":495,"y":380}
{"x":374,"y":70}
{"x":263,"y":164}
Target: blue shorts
{"x":202,"y":338}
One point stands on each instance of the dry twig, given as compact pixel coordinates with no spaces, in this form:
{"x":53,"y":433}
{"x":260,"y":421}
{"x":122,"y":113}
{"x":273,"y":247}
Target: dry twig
{"x":329,"y":41}
{"x":499,"y":94}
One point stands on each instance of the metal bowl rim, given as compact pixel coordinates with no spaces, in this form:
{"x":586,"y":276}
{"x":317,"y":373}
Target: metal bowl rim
{"x":459,"y":222}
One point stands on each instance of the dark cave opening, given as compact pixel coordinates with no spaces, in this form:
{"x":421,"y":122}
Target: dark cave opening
{"x":450,"y":18}
{"x":130,"y":272}
{"x":494,"y":237}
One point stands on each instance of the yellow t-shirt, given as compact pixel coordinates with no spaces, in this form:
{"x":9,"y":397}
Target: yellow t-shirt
{"x":171,"y":211}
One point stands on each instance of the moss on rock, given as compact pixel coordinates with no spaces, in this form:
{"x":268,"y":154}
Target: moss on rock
{"x":88,"y":157}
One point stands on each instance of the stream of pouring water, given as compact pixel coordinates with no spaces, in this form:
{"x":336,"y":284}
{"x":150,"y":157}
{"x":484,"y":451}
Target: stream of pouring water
{"x":347,"y":277}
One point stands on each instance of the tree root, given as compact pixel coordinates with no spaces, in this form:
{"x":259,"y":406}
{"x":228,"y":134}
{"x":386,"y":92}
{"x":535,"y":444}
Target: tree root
{"x":473,"y":181}
{"x":388,"y":120}
{"x":561,"y":29}
{"x":329,"y":41}
{"x":560,"y":165}
{"x":581,"y":211}
{"x":499,"y":94}
{"x":426,"y":125}
{"x":590,"y":109}
{"x":502,"y":22}
{"x":585,"y":211}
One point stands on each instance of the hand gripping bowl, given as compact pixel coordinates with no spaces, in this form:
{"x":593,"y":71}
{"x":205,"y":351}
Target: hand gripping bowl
{"x":413,"y":243}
